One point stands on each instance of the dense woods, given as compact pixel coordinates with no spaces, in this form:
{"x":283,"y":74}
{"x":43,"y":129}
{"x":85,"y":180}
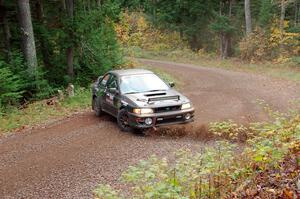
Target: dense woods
{"x":47,"y":44}
{"x":47,"y":47}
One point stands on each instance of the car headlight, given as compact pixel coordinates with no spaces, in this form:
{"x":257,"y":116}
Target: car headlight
{"x":186,"y":106}
{"x":141,"y":111}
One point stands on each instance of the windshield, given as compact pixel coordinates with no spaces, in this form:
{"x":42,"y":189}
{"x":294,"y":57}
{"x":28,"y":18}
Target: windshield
{"x":142,"y":83}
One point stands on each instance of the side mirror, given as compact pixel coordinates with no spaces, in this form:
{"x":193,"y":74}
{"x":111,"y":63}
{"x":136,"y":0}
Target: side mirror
{"x":113,"y":90}
{"x":171,"y":84}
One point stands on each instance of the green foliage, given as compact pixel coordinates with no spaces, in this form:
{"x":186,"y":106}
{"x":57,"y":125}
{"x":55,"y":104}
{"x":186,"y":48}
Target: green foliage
{"x":218,"y":171}
{"x":10,"y":87}
{"x":107,"y":192}
{"x":296,"y":60}
{"x":222,"y":24}
{"x":265,"y":13}
{"x":31,"y":114}
{"x":229,"y":130}
{"x":90,"y":33}
{"x":32,"y":87}
{"x":100,"y":51}
{"x":190,"y":18}
{"x":93,"y":38}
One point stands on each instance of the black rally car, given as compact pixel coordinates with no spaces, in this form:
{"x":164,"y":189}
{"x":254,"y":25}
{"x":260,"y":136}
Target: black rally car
{"x":139,"y":99}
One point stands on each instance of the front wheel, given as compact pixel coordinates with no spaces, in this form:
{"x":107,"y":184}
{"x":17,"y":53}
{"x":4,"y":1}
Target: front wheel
{"x":123,"y":121}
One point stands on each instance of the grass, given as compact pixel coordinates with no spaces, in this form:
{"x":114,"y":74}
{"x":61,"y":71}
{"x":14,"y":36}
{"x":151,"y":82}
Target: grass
{"x":44,"y":111}
{"x":288,"y":71}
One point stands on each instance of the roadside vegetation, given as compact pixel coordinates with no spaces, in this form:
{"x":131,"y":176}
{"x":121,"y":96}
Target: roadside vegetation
{"x":258,"y":53}
{"x":265,"y":166}
{"x":44,"y":111}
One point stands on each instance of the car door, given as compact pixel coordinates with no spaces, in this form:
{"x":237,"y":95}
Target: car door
{"x":101,"y":88}
{"x":111,"y":100}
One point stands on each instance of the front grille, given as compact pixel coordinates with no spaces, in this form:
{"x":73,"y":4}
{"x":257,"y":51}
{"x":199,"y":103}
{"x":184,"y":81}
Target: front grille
{"x":166,"y":109}
{"x":153,"y":99}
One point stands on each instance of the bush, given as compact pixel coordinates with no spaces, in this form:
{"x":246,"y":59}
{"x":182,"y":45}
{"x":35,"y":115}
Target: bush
{"x":134,"y":29}
{"x":10,"y":87}
{"x":255,"y":47}
{"x":33,"y":88}
{"x":271,"y":45}
{"x":224,"y":170}
{"x":230,"y":130}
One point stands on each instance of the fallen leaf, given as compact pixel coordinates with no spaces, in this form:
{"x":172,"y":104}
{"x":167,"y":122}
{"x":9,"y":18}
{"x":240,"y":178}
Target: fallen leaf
{"x":288,"y":194}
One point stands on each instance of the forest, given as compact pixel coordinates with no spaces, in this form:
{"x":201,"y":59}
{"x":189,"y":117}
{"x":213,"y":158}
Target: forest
{"x":238,"y":61}
{"x":45,"y":45}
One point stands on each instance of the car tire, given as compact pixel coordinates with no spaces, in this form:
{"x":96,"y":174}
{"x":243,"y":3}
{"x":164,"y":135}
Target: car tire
{"x":97,"y":107}
{"x":123,"y":121}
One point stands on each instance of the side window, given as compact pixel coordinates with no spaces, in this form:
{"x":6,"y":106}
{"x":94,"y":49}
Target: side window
{"x":113,"y":82}
{"x":104,"y":81}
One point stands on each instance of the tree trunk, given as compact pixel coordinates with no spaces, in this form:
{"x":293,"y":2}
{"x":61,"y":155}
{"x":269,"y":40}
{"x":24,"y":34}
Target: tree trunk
{"x":282,"y":15}
{"x":28,"y":43}
{"x":63,"y":2}
{"x":40,"y":19}
{"x":221,"y":35}
{"x":70,"y":50}
{"x":99,"y":3}
{"x":225,"y":37}
{"x":297,"y":10}
{"x":6,"y":30}
{"x":248,"y":17}
{"x":70,"y":56}
{"x":222,"y":46}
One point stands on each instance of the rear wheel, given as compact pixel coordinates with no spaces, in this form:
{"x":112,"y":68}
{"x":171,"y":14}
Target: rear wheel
{"x":97,"y":107}
{"x":123,"y":121}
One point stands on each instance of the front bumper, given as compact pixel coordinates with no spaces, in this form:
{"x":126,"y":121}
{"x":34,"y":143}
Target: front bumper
{"x":161,"y":119}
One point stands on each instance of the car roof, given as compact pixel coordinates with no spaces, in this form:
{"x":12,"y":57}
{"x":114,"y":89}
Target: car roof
{"x":124,"y":72}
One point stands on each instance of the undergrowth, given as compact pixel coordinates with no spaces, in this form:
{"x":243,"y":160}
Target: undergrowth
{"x":31,"y":114}
{"x":224,"y":170}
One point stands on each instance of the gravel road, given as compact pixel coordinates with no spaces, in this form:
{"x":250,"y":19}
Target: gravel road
{"x":69,"y":158}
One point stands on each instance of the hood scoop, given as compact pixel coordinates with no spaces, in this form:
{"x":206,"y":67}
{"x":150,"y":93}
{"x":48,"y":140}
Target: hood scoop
{"x":154,"y":99}
{"x":154,"y":94}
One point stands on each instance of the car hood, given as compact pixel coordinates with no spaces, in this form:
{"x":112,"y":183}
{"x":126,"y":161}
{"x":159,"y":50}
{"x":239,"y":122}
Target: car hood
{"x":156,"y":99}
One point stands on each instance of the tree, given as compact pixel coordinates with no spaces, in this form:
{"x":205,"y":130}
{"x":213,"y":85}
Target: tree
{"x":265,"y":13}
{"x":296,"y":12}
{"x":70,"y":49}
{"x":99,"y":3}
{"x":283,"y":5}
{"x":190,"y":18}
{"x":6,"y":30}
{"x":248,"y":17}
{"x":223,"y":26}
{"x":28,"y":43}
{"x":39,"y":13}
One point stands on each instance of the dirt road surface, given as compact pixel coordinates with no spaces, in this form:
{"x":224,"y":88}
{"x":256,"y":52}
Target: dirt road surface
{"x":69,"y":158}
